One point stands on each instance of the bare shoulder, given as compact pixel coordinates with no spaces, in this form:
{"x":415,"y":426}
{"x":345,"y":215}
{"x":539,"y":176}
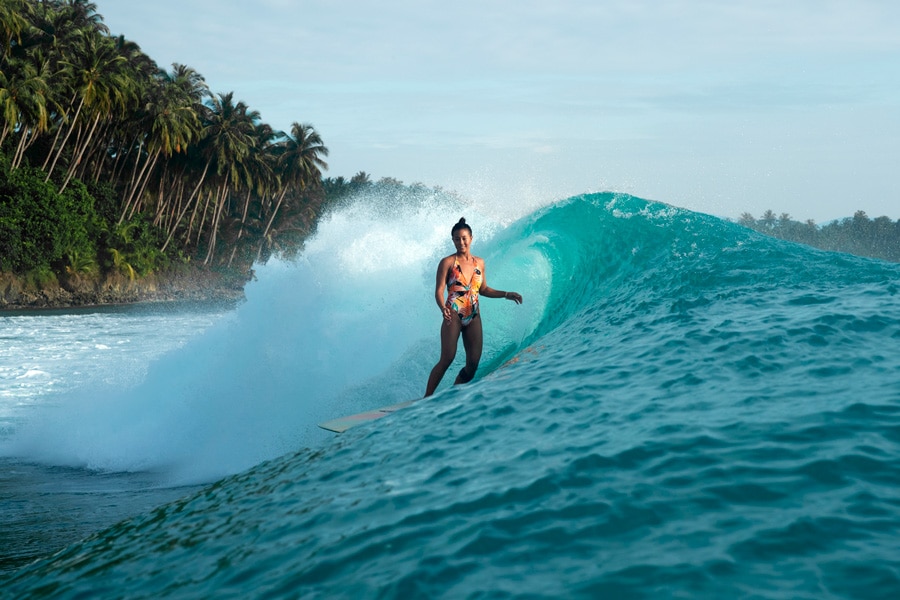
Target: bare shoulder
{"x":479,"y":262}
{"x":446,"y":262}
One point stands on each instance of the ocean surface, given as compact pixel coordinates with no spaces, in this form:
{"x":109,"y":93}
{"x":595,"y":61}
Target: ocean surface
{"x":681,"y":408}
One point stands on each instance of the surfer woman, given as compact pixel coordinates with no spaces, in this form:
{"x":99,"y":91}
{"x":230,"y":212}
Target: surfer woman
{"x":462,"y":276}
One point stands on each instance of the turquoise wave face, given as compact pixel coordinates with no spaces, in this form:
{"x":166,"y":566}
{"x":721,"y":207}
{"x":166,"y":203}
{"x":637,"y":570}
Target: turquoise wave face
{"x":624,"y":257}
{"x":687,"y":409}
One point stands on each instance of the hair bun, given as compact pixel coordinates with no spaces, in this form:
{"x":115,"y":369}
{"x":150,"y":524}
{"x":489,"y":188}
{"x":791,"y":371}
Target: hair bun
{"x":462,"y":221}
{"x":460,"y":225}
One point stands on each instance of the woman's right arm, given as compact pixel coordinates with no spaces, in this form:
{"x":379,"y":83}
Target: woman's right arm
{"x":440,"y":285}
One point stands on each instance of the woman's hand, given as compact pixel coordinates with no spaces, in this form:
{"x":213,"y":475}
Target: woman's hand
{"x":446,"y":312}
{"x":514,"y":296}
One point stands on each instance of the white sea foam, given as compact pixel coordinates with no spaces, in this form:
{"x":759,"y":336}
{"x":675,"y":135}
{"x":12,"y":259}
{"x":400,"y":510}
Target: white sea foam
{"x":355,"y":306}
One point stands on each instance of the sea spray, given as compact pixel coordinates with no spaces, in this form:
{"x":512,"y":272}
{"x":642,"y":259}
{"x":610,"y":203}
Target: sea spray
{"x":315,"y":338}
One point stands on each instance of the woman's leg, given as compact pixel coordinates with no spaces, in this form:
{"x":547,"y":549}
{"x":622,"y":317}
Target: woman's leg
{"x":472,"y":341}
{"x":449,"y":339}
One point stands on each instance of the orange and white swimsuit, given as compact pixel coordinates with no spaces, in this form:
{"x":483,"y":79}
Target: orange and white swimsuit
{"x":462,"y":297}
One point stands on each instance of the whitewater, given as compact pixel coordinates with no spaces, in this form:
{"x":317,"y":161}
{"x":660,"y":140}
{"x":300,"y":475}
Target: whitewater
{"x":681,"y":408}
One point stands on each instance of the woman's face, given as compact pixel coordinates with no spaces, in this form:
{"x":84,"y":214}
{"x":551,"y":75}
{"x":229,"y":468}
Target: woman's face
{"x":462,"y":239}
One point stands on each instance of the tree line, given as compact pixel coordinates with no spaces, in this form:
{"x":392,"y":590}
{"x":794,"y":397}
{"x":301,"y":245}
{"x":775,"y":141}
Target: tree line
{"x":859,"y":235}
{"x":110,"y":163}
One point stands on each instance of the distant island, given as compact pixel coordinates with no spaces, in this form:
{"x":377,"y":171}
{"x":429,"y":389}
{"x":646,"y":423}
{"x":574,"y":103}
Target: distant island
{"x":859,"y":235}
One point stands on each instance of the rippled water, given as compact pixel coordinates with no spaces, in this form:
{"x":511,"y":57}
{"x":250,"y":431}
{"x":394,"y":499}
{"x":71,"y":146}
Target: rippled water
{"x":681,"y":408}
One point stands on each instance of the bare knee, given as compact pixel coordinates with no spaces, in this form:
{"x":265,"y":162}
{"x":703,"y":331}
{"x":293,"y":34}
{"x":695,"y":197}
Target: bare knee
{"x":446,"y":359}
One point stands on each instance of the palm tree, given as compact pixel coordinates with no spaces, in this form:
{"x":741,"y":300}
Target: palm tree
{"x":13,"y":21}
{"x":191,"y":83}
{"x":173,"y":125}
{"x":259,"y":170}
{"x":229,"y":135}
{"x":300,"y":162}
{"x":128,"y":128}
{"x":84,"y":15}
{"x":187,"y":89}
{"x":22,"y":95}
{"x":747,"y":220}
{"x":23,"y":101}
{"x":93,"y":105}
{"x":99,"y":85}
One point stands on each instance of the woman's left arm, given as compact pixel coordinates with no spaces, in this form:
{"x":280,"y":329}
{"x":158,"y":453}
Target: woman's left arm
{"x":489,"y":292}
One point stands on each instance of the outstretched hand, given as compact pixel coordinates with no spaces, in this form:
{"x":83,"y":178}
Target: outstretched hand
{"x":514,"y":296}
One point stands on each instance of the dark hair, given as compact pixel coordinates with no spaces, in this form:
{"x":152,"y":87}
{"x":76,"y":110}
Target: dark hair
{"x":461,"y":224}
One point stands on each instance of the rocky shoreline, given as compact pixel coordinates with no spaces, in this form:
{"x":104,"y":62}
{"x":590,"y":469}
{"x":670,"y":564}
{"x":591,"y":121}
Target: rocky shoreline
{"x":189,"y":284}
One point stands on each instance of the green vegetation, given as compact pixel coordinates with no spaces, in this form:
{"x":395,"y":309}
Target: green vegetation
{"x":860,"y":235}
{"x":109,"y":163}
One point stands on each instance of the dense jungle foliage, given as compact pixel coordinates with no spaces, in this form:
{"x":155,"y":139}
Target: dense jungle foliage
{"x":108,"y":162}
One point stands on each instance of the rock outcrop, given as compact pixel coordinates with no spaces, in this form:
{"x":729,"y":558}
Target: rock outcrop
{"x":185,"y":285}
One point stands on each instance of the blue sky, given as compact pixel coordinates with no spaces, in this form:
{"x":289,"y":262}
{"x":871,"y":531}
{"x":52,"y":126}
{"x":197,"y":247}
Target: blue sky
{"x":720,"y":107}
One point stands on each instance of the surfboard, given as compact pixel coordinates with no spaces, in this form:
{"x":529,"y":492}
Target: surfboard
{"x":342,"y":424}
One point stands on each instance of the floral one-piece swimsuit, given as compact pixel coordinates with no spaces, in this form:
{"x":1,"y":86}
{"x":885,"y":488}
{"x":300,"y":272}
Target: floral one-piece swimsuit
{"x":462,"y":298}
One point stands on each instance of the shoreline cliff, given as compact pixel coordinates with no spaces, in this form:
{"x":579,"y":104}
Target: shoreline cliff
{"x":187,"y":284}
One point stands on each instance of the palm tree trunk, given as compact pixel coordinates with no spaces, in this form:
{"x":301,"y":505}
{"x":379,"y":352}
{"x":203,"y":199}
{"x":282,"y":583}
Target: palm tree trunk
{"x":93,"y":150}
{"x":184,"y":210}
{"x":214,"y":230}
{"x":244,"y":214}
{"x":203,"y":214}
{"x":65,"y":139}
{"x":161,"y":204}
{"x":80,"y":154}
{"x":20,"y":149}
{"x":275,"y":212}
{"x":174,"y":207}
{"x":136,"y":183}
{"x":58,"y":132}
{"x":32,"y":138}
{"x":187,"y":239}
{"x":98,"y":167}
{"x":132,"y":185}
{"x":120,"y":160}
{"x":146,"y":179}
